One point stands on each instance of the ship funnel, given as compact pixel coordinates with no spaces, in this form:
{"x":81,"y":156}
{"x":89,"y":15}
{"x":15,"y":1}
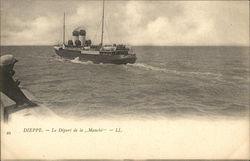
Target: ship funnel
{"x":75,"y":35}
{"x":82,"y":37}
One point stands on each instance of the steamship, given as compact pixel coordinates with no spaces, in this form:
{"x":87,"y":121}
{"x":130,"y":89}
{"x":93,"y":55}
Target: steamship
{"x":83,"y":49}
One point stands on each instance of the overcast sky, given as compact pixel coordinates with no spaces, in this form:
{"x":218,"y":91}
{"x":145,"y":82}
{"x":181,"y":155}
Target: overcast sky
{"x":39,"y":22}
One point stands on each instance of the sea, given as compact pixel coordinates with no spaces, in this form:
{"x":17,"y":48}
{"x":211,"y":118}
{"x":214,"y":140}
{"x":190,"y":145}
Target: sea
{"x":165,"y":82}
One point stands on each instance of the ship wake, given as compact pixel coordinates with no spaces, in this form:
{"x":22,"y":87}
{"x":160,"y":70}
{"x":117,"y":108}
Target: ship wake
{"x":182,"y":73}
{"x":78,"y":61}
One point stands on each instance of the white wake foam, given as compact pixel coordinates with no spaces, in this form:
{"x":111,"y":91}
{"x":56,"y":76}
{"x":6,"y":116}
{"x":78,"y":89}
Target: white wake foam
{"x":58,"y":58}
{"x":78,"y":61}
{"x":184,"y":73}
{"x":147,"y":67}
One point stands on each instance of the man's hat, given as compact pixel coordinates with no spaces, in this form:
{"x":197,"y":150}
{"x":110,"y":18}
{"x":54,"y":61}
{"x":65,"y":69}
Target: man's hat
{"x":7,"y":60}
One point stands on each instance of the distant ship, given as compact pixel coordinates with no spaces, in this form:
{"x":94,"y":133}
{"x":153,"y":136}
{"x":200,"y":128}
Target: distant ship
{"x":83,"y":49}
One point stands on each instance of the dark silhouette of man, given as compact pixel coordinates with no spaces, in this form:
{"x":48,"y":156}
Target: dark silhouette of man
{"x":8,"y":85}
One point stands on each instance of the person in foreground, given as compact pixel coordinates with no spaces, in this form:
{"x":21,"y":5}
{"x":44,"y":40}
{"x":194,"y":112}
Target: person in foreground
{"x":8,"y":85}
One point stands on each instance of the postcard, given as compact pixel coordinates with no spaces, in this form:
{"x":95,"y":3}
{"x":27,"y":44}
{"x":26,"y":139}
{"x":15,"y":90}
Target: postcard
{"x":124,"y":80}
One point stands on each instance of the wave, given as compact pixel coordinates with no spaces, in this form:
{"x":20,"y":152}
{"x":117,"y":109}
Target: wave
{"x":184,"y":73}
{"x":147,"y":67}
{"x":58,"y":58}
{"x":78,"y":61}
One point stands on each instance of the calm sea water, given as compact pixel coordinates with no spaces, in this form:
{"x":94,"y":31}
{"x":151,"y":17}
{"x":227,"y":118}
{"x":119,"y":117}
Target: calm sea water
{"x":164,"y":82}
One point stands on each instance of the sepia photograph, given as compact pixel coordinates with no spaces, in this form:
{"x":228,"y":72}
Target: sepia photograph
{"x":127,"y":80}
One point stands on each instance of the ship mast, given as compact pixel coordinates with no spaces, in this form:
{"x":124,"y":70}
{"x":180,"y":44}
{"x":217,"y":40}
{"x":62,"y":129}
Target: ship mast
{"x":64,"y":28}
{"x":102,"y":22}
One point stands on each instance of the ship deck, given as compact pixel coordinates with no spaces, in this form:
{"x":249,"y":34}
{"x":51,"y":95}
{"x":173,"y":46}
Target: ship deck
{"x":82,"y":51}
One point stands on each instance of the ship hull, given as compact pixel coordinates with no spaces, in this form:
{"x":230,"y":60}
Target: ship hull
{"x":96,"y":58}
